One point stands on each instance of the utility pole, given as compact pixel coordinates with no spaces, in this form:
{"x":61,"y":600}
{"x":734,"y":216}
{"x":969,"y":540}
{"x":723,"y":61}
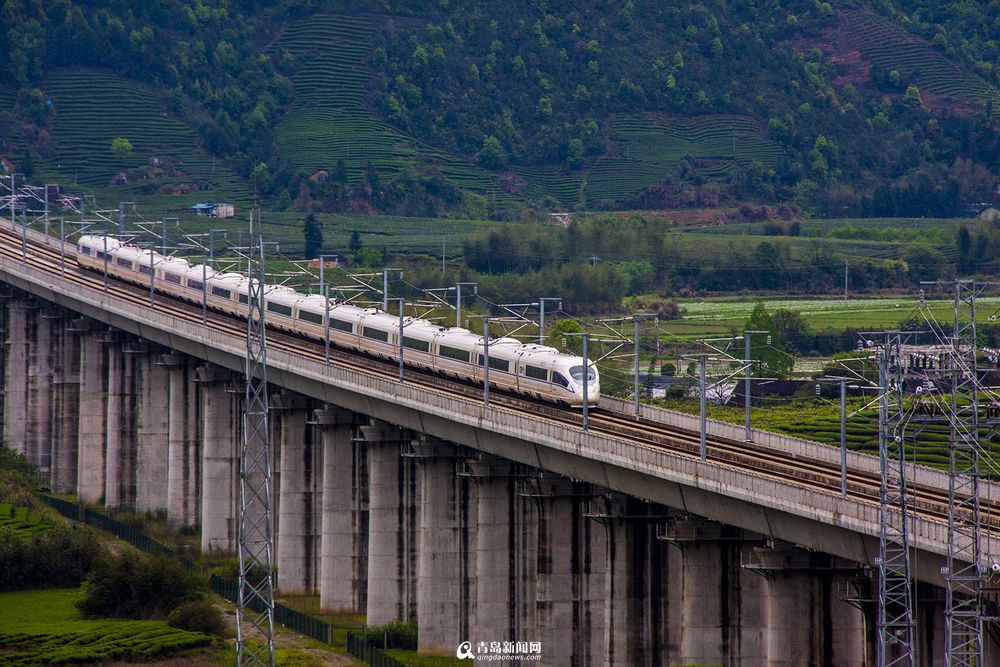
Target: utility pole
{"x":846,"y":264}
{"x":255,"y":606}
{"x":385,"y":287}
{"x":586,"y":383}
{"x":401,"y":303}
{"x":843,"y":438}
{"x":747,"y":431}
{"x":703,"y":439}
{"x":486,"y":362}
{"x":458,"y":301}
{"x":541,"y":315}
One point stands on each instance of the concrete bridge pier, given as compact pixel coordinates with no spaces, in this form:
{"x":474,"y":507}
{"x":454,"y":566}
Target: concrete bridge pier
{"x":117,"y":437}
{"x":15,"y":405}
{"x":92,"y":427}
{"x":344,"y":547}
{"x":498,"y":602}
{"x":929,"y":607}
{"x":40,"y":391}
{"x":446,"y":539}
{"x":636,"y":607}
{"x":152,"y":448}
{"x":571,"y":571}
{"x":722,"y":613}
{"x":808,"y":624}
{"x":183,"y":418}
{"x":220,"y":431}
{"x":393,"y":502}
{"x":296,"y":535}
{"x":66,"y":414}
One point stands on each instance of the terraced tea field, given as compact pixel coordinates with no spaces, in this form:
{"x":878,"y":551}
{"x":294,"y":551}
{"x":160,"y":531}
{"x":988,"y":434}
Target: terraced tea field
{"x":890,"y":47}
{"x":648,"y":148}
{"x":44,"y":628}
{"x":93,"y":107}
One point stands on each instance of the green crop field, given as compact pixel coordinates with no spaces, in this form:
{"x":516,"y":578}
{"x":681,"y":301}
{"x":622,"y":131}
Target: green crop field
{"x":92,"y":108}
{"x":44,"y":628}
{"x":20,"y":521}
{"x":891,"y":48}
{"x":824,"y":313}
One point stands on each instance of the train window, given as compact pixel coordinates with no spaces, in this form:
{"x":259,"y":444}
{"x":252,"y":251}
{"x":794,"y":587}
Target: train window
{"x":536,"y":372}
{"x":341,"y":325}
{"x":195,"y":284}
{"x":309,"y":316}
{"x":416,"y":344}
{"x":100,"y":254}
{"x":576,"y":372}
{"x":84,"y":250}
{"x":281,"y":309}
{"x":123,"y":262}
{"x":560,"y":379}
{"x":453,"y":353}
{"x":144,"y":269}
{"x":244,"y":298}
{"x":376,"y":334}
{"x":172,"y":278}
{"x":499,"y":364}
{"x":220,"y":292}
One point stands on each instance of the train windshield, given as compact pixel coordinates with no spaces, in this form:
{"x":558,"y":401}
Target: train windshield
{"x":577,"y":373}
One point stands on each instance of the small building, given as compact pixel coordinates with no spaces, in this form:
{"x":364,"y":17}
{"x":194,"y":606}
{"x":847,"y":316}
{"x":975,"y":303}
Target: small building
{"x":215,"y":210}
{"x":330,"y":260}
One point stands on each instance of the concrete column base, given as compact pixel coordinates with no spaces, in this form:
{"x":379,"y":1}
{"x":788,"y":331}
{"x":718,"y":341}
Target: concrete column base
{"x":220,"y":432}
{"x":392,"y":526}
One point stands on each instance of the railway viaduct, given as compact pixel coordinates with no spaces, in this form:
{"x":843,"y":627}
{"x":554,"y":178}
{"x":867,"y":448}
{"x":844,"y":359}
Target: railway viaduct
{"x":614,"y":546}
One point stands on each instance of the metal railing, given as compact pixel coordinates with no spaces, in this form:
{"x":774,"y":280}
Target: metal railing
{"x":358,"y":646}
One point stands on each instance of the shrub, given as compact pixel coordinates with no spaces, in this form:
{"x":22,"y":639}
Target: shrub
{"x":60,"y":557}
{"x":137,"y":586}
{"x":198,"y":616}
{"x":397,"y":634}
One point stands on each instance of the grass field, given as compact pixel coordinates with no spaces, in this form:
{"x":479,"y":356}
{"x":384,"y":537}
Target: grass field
{"x":44,"y":628}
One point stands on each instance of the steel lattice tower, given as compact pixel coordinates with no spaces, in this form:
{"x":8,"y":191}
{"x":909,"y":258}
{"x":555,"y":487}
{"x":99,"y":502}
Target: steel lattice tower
{"x":255,"y":608}
{"x":895,"y":596}
{"x":963,"y":610}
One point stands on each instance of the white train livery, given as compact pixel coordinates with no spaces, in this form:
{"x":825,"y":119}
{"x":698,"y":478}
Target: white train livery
{"x":536,"y":371}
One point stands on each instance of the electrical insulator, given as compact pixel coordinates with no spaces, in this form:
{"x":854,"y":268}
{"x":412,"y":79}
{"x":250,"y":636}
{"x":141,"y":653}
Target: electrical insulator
{"x":768,"y":339}
{"x":817,"y":388}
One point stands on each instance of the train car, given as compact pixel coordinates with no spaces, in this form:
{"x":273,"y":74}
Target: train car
{"x":532,"y":370}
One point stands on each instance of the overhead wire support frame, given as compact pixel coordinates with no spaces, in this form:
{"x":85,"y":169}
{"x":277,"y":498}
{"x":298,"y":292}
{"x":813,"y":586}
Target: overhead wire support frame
{"x":895,"y":640}
{"x":255,"y":606}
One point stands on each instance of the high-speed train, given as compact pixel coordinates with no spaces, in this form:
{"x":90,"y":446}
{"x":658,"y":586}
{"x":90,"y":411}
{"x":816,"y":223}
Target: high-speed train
{"x":536,"y":371}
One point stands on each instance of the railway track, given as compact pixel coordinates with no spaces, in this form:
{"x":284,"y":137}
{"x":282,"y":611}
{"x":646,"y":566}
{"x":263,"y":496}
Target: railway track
{"x":927,"y":502}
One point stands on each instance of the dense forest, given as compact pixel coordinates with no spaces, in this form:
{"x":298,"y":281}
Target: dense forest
{"x":525,"y":88}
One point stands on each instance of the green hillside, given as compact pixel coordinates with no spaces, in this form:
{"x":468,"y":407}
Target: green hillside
{"x":472,"y":109}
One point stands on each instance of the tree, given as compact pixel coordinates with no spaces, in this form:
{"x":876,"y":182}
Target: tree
{"x":121,"y":148}
{"x":770,"y":359}
{"x":491,"y":155}
{"x":312,"y":229}
{"x":355,"y":242}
